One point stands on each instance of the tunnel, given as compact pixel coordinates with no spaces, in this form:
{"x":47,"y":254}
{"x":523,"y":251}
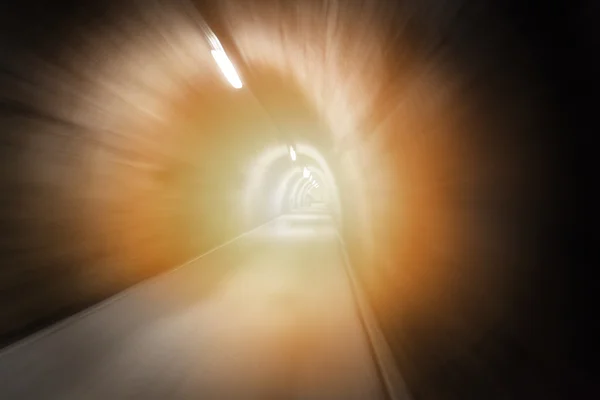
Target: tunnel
{"x":409,"y":141}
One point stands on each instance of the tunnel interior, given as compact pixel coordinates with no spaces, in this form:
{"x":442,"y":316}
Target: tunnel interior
{"x":125,"y":153}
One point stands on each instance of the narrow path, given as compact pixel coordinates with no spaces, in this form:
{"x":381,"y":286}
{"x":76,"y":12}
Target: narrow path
{"x":269,"y":316}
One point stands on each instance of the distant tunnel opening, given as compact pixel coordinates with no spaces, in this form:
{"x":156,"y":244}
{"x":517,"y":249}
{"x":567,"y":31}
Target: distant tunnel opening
{"x":130,"y":154}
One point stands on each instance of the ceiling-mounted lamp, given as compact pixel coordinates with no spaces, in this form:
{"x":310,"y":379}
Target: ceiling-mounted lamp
{"x":227,"y":68}
{"x":306,"y":173}
{"x":224,"y":62}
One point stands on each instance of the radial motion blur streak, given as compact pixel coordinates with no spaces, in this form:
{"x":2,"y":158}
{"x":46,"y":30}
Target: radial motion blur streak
{"x":378,"y":213}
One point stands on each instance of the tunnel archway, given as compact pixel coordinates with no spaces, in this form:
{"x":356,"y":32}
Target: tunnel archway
{"x":274,"y":179}
{"x":129,"y":138}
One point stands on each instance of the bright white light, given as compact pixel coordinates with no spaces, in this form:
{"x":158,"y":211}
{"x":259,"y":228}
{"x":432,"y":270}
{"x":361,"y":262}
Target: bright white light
{"x":227,"y":68}
{"x":292,"y":153}
{"x":306,"y":173}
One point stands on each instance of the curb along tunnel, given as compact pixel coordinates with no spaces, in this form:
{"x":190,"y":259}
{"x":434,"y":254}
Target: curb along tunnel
{"x":125,"y":152}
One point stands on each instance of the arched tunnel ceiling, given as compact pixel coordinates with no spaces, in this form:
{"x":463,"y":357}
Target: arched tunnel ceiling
{"x":122,"y":132}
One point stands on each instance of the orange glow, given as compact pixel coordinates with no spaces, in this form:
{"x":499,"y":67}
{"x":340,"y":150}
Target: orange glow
{"x":164,"y":161}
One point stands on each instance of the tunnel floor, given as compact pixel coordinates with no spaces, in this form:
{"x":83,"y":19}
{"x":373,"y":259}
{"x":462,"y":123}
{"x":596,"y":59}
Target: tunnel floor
{"x":270,"y":315}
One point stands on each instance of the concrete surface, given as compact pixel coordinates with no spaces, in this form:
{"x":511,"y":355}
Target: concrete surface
{"x":270,"y":315}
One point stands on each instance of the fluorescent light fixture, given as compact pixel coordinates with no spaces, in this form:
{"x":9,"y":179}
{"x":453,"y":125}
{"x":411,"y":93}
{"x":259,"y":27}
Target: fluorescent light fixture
{"x":292,"y":153}
{"x":227,"y":68}
{"x":306,"y":173}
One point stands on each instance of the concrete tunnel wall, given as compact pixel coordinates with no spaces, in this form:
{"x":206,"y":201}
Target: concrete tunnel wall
{"x":131,"y":154}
